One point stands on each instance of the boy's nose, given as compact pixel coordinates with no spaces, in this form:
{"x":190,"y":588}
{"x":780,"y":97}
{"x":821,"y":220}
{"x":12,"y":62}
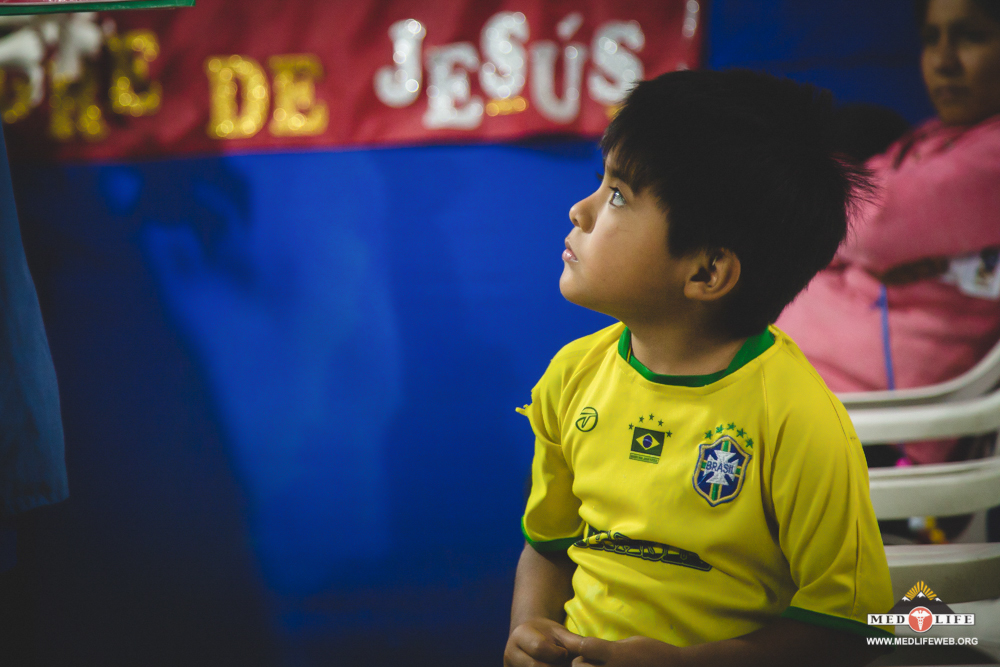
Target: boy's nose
{"x":574,"y":214}
{"x":578,"y":215}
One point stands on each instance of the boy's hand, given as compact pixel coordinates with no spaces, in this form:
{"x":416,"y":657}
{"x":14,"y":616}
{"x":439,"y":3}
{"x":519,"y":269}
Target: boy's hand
{"x":631,"y":652}
{"x":536,"y":643}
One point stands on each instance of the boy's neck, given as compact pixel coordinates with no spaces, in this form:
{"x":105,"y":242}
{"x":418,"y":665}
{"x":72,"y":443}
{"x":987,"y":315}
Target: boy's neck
{"x":667,"y":349}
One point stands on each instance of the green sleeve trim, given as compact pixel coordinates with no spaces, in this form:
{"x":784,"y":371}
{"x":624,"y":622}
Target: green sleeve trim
{"x":53,"y":7}
{"x":752,"y":348}
{"x":548,"y":545}
{"x":834,"y":622}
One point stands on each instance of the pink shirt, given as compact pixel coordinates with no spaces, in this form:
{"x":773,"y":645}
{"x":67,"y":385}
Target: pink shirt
{"x":942,"y":199}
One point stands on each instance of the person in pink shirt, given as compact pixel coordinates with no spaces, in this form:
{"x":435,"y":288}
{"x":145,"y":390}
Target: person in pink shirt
{"x":913,"y":295}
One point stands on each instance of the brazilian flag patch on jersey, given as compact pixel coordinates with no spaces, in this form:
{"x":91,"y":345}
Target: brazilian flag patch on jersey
{"x":647,"y":445}
{"x":718,"y":476}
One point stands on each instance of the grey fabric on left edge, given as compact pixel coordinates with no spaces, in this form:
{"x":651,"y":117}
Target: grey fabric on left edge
{"x":32,"y":458}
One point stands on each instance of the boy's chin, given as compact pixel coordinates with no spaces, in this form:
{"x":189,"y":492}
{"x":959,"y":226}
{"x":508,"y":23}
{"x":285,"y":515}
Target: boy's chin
{"x":570,"y":291}
{"x":579,"y":297}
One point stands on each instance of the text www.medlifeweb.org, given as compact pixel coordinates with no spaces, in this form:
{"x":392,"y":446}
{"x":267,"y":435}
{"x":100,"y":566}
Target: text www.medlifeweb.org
{"x":922,"y":641}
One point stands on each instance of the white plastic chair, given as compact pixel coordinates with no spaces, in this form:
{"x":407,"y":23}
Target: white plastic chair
{"x":978,"y":380}
{"x":957,"y":572}
{"x":909,"y":422}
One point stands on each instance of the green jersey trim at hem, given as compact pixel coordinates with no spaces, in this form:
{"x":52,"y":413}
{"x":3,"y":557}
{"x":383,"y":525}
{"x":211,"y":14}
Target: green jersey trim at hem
{"x":52,"y":8}
{"x":545,"y":546}
{"x":834,"y":622}
{"x":752,"y":348}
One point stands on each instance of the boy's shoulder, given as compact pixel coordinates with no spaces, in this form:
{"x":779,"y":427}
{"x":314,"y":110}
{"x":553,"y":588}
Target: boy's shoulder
{"x":795,"y":390}
{"x":791,"y":361}
{"x":600,"y":341}
{"x":574,"y":358}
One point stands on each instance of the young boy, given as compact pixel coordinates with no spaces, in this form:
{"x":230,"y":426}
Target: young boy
{"x":699,"y":497}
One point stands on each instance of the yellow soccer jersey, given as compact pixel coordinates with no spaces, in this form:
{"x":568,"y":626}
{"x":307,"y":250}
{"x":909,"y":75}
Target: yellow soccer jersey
{"x":698,"y":508}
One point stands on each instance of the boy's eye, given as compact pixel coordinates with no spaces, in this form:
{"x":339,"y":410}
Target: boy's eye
{"x":617,"y":199}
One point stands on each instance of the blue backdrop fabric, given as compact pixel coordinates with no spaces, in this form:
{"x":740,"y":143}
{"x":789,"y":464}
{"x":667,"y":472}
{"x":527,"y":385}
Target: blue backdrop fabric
{"x":363,"y":324}
{"x":862,"y":51}
{"x":289,"y":379}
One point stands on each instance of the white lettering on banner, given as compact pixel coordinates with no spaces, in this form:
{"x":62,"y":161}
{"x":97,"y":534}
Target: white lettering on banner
{"x":543,"y":73}
{"x":448,"y":69}
{"x":76,"y":38}
{"x":690,"y":25}
{"x":619,"y":68}
{"x":24,"y":50}
{"x":502,"y":70}
{"x":399,"y":86}
{"x":502,"y":43}
{"x":79,"y":37}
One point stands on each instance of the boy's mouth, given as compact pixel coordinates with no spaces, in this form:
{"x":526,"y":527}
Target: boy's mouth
{"x":568,"y":255}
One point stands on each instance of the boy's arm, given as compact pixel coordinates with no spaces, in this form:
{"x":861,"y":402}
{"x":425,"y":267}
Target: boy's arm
{"x":542,"y":586}
{"x":783,"y":642}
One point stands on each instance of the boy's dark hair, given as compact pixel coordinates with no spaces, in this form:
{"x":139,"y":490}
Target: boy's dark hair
{"x":861,"y":131}
{"x":744,"y":161}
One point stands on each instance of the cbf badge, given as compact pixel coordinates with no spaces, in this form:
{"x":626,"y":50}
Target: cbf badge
{"x":718,"y":476}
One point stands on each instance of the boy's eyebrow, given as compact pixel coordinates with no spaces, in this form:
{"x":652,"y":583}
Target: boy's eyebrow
{"x":616,"y":174}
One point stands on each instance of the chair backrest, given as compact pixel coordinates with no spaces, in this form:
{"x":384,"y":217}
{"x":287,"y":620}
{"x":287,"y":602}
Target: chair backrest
{"x":978,"y":380}
{"x":943,"y":489}
{"x":958,"y":572}
{"x":907,"y":423}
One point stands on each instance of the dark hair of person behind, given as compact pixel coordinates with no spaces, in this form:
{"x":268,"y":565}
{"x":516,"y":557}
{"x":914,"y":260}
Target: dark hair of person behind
{"x":744,"y":161}
{"x":989,"y":7}
{"x":861,"y":131}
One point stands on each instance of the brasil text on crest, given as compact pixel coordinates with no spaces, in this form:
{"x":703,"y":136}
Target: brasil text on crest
{"x":720,"y":470}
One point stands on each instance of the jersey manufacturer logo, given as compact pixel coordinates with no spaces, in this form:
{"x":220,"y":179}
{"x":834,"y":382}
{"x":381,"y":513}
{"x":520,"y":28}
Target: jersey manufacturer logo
{"x":587,"y":419}
{"x":718,"y":475}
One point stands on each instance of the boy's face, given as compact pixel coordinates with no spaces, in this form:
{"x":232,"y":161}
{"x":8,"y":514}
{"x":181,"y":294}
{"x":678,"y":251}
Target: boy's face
{"x":616,"y":259}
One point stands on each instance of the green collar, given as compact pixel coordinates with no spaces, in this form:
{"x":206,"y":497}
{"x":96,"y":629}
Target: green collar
{"x":751,"y":349}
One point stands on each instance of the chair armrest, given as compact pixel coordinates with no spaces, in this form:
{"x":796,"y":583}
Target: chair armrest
{"x":978,"y":380}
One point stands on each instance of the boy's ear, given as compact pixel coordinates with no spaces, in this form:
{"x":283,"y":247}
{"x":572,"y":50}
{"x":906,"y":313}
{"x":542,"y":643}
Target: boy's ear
{"x":713,"y":274}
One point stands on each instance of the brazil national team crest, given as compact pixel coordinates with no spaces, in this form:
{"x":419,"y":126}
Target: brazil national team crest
{"x":721,"y":467}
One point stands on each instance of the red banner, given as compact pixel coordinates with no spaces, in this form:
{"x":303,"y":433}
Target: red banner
{"x":234,"y":75}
